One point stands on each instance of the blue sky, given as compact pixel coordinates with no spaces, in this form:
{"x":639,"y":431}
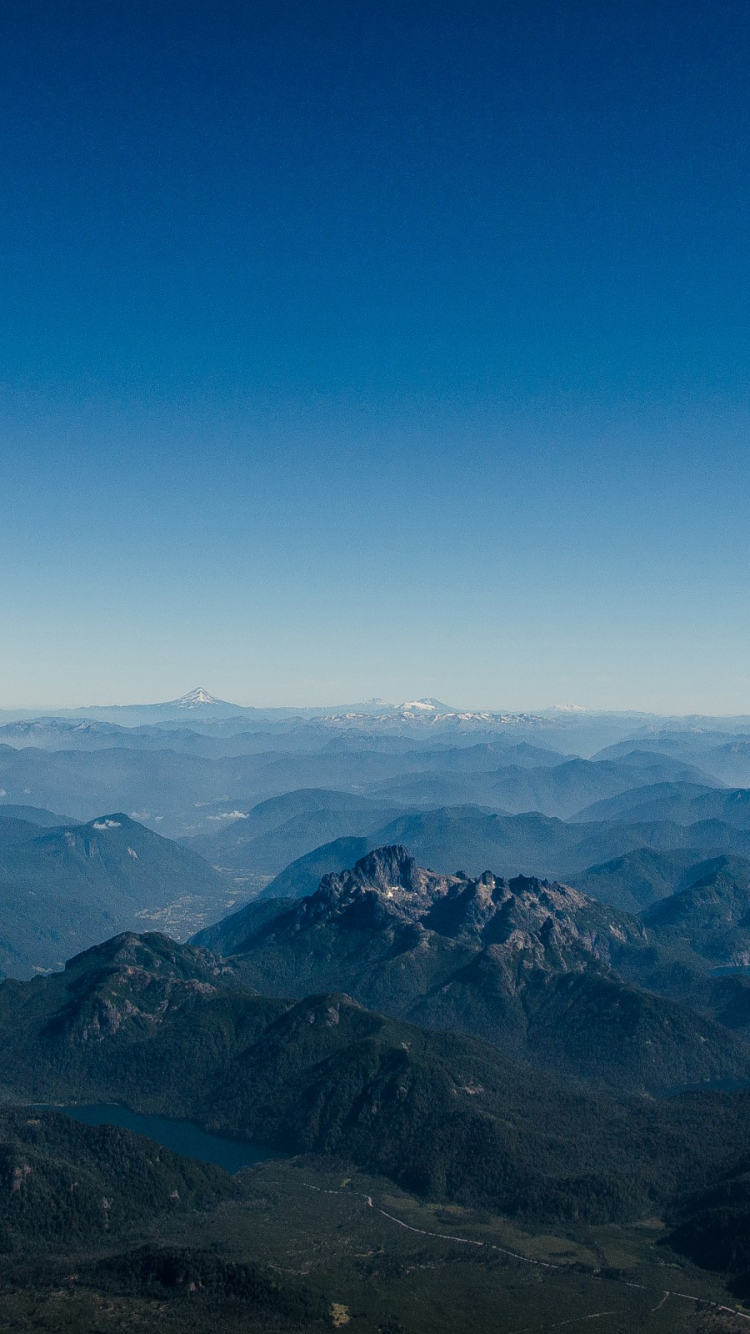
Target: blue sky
{"x":375,"y":349}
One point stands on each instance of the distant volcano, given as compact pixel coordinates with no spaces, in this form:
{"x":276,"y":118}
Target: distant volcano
{"x":194,"y":699}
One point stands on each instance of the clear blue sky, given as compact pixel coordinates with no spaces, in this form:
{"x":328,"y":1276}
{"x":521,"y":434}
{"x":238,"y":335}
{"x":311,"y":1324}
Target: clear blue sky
{"x":375,"y":348}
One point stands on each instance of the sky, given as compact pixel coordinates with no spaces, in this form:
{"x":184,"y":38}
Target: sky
{"x":353,"y":349}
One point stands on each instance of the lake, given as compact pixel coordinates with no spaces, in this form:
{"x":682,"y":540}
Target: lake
{"x":179,"y":1136}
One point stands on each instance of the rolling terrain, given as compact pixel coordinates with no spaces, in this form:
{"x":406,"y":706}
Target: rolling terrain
{"x":473,"y":838}
{"x":263,"y":840}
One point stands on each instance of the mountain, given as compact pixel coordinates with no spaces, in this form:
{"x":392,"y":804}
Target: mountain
{"x":127,"y":987}
{"x":81,"y":1198}
{"x":730,"y":761}
{"x":34,"y":815}
{"x":682,"y":803}
{"x":710,"y":916}
{"x":165,"y":1029}
{"x":303,"y":876}
{"x":63,"y":889}
{"x":677,"y":741}
{"x":266,"y":838}
{"x":168,"y":789}
{"x":85,"y":782}
{"x":180,"y":790}
{"x":197,"y":699}
{"x":228,"y":935}
{"x":67,"y":1184}
{"x":59,"y":733}
{"x":420,"y":715}
{"x":415,"y":707}
{"x":553,"y":785}
{"x":202,"y":704}
{"x":473,"y":838}
{"x":475,"y":757}
{"x":563,"y":789}
{"x":637,"y":879}
{"x":527,"y":756}
{"x":570,"y":730}
{"x":699,"y":902}
{"x":182,"y":780}
{"x":198,"y":702}
{"x":532,"y":966}
{"x":725,"y":755}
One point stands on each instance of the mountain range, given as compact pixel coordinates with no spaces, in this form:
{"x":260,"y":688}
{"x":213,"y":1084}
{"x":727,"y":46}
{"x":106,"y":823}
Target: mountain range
{"x":584,"y":731}
{"x":165,"y":1028}
{"x":472,"y":838}
{"x":537,"y":968}
{"x":260,"y":830}
{"x":185,"y":792}
{"x":505,"y":1044}
{"x":263,"y":840}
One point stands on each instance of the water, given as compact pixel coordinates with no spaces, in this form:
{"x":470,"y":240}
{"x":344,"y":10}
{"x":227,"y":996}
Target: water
{"x":179,"y":1136}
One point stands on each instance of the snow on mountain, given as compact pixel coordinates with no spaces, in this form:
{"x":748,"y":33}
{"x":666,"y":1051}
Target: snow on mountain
{"x":194,"y":699}
{"x":424,"y":706}
{"x":432,"y":715}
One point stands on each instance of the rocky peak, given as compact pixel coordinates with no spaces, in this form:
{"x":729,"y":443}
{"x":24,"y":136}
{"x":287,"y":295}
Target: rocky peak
{"x":386,"y":868}
{"x":129,"y":983}
{"x":150,"y":952}
{"x":194,"y":698}
{"x":387,"y":891}
{"x":389,"y":872}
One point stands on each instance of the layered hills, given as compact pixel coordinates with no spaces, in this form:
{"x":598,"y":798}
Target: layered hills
{"x":263,"y":840}
{"x":560,"y":789}
{"x":637,"y":879}
{"x":680,"y":802}
{"x":523,"y":1040}
{"x":722,"y":752}
{"x":275,"y":800}
{"x":473,"y":838}
{"x":176,"y":775}
{"x":64,"y":888}
{"x":709,"y":914}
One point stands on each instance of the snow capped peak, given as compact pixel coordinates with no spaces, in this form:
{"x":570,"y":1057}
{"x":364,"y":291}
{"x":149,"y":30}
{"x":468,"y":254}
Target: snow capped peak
{"x":195,"y":697}
{"x":424,"y":706}
{"x":568,"y":708}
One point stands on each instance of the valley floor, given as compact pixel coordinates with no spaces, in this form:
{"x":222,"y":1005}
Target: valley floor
{"x":385,"y":1271}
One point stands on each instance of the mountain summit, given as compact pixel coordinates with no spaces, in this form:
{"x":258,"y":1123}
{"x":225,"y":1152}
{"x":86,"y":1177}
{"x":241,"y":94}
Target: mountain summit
{"x":195,"y":698}
{"x":426,"y":705}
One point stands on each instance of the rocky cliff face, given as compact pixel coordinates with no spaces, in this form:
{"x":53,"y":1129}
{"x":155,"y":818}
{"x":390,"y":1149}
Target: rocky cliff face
{"x":386,"y":891}
{"x":130,"y":984}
